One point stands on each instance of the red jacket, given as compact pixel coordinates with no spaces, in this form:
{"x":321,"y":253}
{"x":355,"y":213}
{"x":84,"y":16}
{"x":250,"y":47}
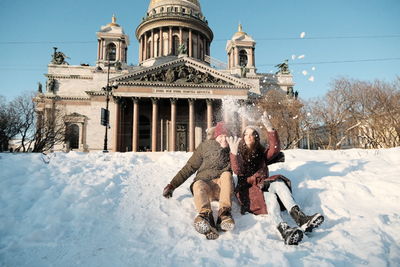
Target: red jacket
{"x":249,"y":190}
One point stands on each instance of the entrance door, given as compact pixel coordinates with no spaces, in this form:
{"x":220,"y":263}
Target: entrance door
{"x":73,"y":136}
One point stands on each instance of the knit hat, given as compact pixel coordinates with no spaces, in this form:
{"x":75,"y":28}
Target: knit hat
{"x":221,"y":129}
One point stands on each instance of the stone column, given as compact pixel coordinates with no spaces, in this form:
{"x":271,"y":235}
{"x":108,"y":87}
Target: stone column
{"x":98,"y":49}
{"x":190,"y":44}
{"x":119,"y":54}
{"x":116,"y":126}
{"x":198,"y":45}
{"x":104,"y":51}
{"x":80,"y":143}
{"x":161,"y":42}
{"x":250,"y":57}
{"x":145,"y":46}
{"x":253,"y":56}
{"x":170,"y":41}
{"x":173,"y":125}
{"x":141,"y":49}
{"x":152,"y":45}
{"x":237,"y":56}
{"x":191,"y":125}
{"x":135,"y":124}
{"x":209,"y":113}
{"x":180,"y":36}
{"x":154,"y":124}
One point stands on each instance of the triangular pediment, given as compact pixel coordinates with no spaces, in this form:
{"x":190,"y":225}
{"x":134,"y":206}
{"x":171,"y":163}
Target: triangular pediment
{"x":181,"y":72}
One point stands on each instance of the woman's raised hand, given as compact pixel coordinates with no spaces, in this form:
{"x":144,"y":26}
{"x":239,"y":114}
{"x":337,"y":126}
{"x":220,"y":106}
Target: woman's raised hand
{"x":267,"y":123}
{"x":233,"y":143}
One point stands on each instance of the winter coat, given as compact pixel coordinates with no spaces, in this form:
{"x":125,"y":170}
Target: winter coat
{"x":209,"y":159}
{"x":251,"y":186}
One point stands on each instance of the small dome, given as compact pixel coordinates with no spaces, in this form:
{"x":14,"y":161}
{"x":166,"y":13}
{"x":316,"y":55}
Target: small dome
{"x":241,"y":35}
{"x":194,"y":4}
{"x":112,"y":27}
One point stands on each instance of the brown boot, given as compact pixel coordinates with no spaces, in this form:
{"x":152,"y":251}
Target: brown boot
{"x":204,"y":224}
{"x":225,"y":221}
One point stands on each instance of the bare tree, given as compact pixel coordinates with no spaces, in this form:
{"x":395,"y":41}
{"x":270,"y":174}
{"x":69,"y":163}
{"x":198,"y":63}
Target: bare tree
{"x":39,"y":130}
{"x":365,"y":112}
{"x":286,"y":115}
{"x":9,"y":124}
{"x":50,"y":129}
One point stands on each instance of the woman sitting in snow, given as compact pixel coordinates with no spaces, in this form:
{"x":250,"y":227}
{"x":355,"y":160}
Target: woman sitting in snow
{"x":260,"y":194}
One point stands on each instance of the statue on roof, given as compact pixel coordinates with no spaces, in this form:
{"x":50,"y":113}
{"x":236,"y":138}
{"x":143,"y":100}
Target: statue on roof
{"x":283,"y":67}
{"x":58,"y":58}
{"x":182,"y":49}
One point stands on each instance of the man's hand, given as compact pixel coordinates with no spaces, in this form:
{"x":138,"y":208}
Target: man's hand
{"x":234,"y":144}
{"x":168,"y":190}
{"x":267,"y":123}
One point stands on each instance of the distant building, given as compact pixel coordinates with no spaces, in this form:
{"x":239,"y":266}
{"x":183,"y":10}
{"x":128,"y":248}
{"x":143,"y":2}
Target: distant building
{"x":172,"y":96}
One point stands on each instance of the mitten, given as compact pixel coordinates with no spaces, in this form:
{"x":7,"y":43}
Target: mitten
{"x":168,"y":190}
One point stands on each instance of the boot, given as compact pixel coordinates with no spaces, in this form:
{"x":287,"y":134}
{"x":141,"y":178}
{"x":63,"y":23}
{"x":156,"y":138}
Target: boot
{"x":291,"y":236}
{"x":307,"y":223}
{"x":204,"y":224}
{"x":225,"y":221}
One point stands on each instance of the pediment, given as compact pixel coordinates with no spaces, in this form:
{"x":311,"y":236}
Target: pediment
{"x":181,"y":72}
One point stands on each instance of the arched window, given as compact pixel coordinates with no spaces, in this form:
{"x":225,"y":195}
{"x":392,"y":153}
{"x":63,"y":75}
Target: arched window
{"x":243,"y":58}
{"x":111,"y":52}
{"x":175,"y":45}
{"x":73,"y":136}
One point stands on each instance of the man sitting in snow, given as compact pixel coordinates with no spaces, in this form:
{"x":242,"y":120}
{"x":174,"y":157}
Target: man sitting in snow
{"x":213,"y":181}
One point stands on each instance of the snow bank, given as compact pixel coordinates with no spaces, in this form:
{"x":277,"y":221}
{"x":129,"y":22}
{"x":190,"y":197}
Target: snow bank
{"x":107,"y":210}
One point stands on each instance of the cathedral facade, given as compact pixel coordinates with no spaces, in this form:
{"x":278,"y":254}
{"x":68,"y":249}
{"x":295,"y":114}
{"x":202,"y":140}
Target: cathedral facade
{"x":169,"y":99}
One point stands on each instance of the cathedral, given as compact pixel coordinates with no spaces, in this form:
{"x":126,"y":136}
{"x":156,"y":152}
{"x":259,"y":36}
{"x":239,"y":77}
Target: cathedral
{"x":169,"y":99}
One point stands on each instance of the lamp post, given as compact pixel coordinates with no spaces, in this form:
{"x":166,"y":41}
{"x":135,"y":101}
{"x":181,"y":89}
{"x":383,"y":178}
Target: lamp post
{"x":108,"y":89}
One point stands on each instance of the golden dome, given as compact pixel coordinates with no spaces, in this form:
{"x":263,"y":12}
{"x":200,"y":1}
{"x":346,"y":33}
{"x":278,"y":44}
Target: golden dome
{"x":156,"y":3}
{"x":113,"y":21}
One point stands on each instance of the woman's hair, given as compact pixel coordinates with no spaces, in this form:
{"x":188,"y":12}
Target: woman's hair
{"x":253,"y":156}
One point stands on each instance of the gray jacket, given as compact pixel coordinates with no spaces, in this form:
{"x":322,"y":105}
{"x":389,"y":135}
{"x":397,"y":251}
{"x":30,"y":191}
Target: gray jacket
{"x":210,"y":160}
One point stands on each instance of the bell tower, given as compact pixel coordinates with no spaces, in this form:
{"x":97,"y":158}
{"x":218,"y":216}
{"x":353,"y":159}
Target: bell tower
{"x":240,"y":50}
{"x":112,"y":44}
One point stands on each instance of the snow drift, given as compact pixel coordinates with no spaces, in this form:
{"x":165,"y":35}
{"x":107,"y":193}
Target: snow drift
{"x":99,"y":209}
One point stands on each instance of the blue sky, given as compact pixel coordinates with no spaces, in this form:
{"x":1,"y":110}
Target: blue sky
{"x":353,"y":38}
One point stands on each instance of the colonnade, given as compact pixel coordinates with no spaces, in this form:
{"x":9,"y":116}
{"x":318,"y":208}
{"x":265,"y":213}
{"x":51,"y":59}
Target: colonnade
{"x":155,"y":123}
{"x":197,"y":44}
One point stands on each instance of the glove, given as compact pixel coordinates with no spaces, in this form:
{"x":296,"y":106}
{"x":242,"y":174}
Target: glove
{"x":233,"y":143}
{"x":168,"y":190}
{"x":267,"y":123}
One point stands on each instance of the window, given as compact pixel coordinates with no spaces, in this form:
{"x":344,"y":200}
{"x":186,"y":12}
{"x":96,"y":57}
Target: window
{"x":111,"y":52}
{"x":243,"y":58}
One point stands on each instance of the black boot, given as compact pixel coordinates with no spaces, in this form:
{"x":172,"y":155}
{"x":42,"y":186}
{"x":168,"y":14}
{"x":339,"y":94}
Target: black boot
{"x":291,"y":236}
{"x":307,"y":223}
{"x":225,"y":221}
{"x":204,"y":224}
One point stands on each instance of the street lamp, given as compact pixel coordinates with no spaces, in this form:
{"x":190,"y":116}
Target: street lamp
{"x":106,"y":113}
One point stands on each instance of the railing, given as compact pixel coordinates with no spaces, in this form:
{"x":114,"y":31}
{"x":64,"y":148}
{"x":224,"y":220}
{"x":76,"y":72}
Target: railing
{"x":215,"y":63}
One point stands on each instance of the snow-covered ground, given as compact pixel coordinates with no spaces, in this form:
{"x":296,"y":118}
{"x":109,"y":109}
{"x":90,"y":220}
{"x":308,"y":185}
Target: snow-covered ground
{"x":107,"y":210}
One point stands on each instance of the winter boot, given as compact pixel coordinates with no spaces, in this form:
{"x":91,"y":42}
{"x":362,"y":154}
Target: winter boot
{"x":204,"y":224}
{"x":225,"y":221}
{"x":307,"y":223}
{"x":291,"y":236}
